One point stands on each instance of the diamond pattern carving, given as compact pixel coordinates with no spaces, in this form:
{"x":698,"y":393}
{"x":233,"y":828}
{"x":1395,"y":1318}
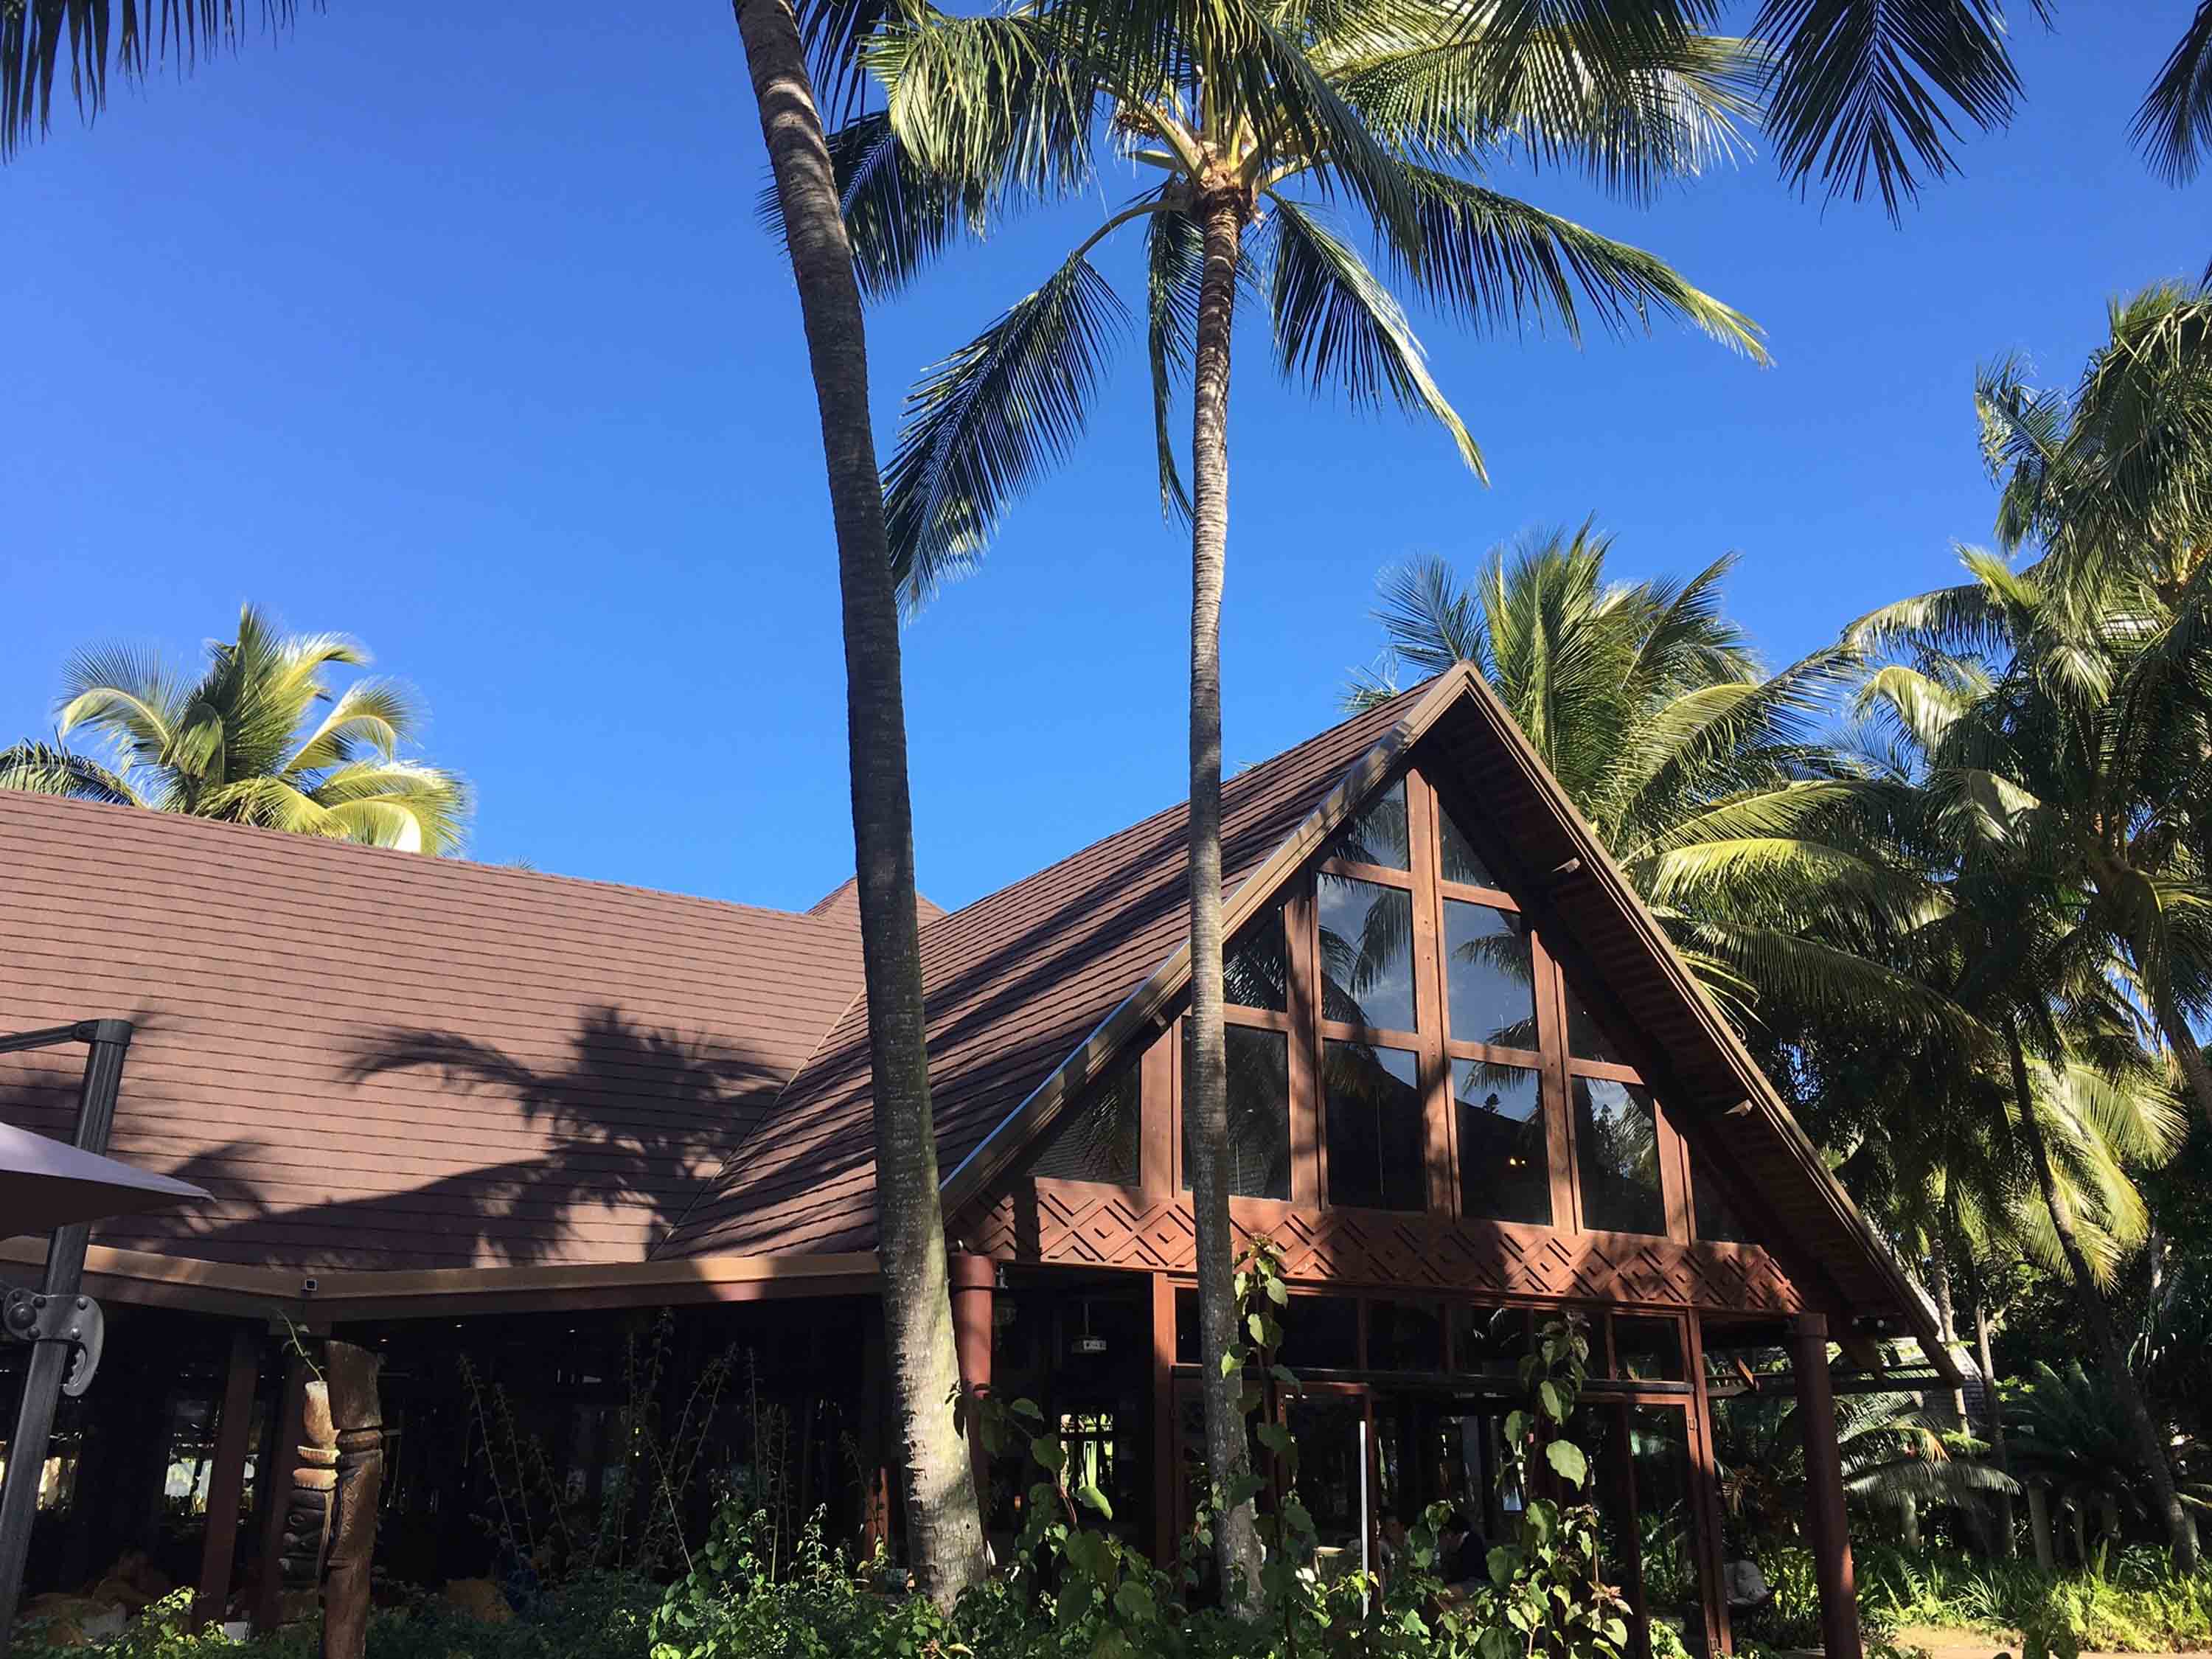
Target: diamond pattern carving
{"x":1069,"y":1223}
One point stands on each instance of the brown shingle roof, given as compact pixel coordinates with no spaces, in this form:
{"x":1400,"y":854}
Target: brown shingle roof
{"x":1012,"y":983}
{"x":378,"y":1060}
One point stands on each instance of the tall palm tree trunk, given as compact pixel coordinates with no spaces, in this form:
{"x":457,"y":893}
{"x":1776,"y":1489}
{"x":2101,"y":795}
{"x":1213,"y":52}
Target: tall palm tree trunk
{"x":1206,"y":1088}
{"x":944,"y":1532}
{"x":2181,"y":1532}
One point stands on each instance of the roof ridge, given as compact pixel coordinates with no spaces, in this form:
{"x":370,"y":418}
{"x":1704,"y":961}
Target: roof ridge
{"x":186,"y":823}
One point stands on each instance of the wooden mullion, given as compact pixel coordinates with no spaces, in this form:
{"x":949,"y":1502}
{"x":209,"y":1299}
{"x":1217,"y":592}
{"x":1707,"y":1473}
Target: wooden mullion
{"x":1156,"y":1087}
{"x":1605,"y":1069}
{"x":1309,"y":1144}
{"x":1496,"y":897}
{"x":1527,"y":1060}
{"x":1381,"y":874}
{"x":1376,"y":1037}
{"x":1432,"y":1069}
{"x":1558,"y":1108}
{"x":1673,"y":1176}
{"x":1706,"y":1497}
{"x":1263,"y":1019}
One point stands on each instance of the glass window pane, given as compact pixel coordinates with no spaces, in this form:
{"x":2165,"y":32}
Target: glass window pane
{"x":1366,"y":953}
{"x":1099,"y":1139}
{"x":1647,"y":1350}
{"x":1716,"y":1218}
{"x":1489,"y":978}
{"x":1321,"y":1334}
{"x":1584,"y":1040}
{"x":1377,"y":835}
{"x":1504,"y":1164}
{"x":1460,"y":862}
{"x":1616,"y":1158}
{"x":1256,"y":967}
{"x":1259,"y":1112}
{"x":1665,"y":1530}
{"x":1185,"y":1346}
{"x":1404,"y":1336}
{"x":1378,"y":1137}
{"x":1489,"y":1341}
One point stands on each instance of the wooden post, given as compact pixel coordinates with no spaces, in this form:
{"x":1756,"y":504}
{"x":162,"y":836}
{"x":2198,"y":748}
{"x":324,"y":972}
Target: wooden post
{"x":1165,"y":1519}
{"x":1704,"y":1475}
{"x":1825,"y":1528}
{"x":357,"y":1415}
{"x":233,"y":1437}
{"x":276,"y":1482}
{"x":974,"y":1282}
{"x":875,"y":1463}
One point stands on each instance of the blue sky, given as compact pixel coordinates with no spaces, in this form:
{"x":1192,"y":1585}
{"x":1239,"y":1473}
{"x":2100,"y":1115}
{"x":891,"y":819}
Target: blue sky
{"x":453,"y":327}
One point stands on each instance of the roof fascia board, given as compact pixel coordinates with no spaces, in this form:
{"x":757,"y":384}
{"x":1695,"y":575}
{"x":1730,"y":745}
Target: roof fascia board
{"x":152,"y":1279}
{"x":1145,"y":1007}
{"x":1623,"y":900}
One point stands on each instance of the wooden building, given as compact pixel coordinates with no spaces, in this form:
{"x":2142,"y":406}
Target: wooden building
{"x":455,"y":1108}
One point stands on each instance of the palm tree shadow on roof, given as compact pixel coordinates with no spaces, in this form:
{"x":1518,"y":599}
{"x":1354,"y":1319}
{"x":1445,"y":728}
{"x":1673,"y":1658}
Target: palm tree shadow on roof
{"x":636,"y":1119}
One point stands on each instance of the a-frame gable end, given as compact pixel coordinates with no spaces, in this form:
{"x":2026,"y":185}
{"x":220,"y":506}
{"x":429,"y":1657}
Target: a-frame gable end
{"x":1535,"y":1208}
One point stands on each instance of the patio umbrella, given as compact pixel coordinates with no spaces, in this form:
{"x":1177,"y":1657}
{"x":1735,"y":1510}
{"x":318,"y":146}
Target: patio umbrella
{"x":46,"y":1183}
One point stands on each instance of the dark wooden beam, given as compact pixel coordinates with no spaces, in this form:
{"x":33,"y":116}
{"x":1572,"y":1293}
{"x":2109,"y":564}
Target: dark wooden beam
{"x":1825,"y":1528}
{"x":234,"y":1436}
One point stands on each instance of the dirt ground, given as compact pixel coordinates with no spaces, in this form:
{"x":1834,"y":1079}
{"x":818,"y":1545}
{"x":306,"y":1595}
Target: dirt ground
{"x":1942,"y":1643}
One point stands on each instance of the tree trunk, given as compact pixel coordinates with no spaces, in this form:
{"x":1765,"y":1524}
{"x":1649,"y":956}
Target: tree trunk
{"x":1993,"y":1407}
{"x":944,"y":1532}
{"x":1947,"y":1321}
{"x":1206,"y":1088}
{"x":2038,"y":1526}
{"x":2181,"y":1535}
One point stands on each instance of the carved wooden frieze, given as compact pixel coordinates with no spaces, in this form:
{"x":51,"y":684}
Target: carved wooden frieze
{"x":1073,"y":1223}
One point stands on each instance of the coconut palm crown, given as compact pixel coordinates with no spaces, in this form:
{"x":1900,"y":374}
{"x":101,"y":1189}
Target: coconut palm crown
{"x":260,"y":738}
{"x":1285,"y":113}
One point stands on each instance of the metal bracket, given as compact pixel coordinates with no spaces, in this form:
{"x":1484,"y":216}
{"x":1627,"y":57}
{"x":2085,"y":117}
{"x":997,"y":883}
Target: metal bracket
{"x":33,"y":1317}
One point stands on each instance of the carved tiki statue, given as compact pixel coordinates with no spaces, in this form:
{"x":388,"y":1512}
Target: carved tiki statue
{"x":330,"y":1522}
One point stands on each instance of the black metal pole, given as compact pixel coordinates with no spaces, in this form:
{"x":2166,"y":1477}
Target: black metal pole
{"x":107,"y":1042}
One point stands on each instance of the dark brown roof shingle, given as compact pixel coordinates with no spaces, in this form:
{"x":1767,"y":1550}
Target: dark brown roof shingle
{"x":375,"y":1059}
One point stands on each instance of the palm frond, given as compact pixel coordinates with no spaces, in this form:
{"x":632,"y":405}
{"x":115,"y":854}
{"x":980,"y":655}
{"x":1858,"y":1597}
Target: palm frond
{"x":2176,"y":116}
{"x":1174,"y":261}
{"x":1862,"y":91}
{"x":1336,"y":325}
{"x":1492,"y":260}
{"x":45,"y":768}
{"x":988,"y":422}
{"x":97,"y":37}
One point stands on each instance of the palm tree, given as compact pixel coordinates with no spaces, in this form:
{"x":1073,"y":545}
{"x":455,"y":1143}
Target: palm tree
{"x":2026,"y":944}
{"x":2070,"y":1433}
{"x":1894,"y":1456}
{"x":2113,"y":480}
{"x":1706,"y":778}
{"x":1860,"y":90}
{"x":1245,"y":111}
{"x":2094,"y":768}
{"x":944,"y":1530}
{"x":259,"y":739}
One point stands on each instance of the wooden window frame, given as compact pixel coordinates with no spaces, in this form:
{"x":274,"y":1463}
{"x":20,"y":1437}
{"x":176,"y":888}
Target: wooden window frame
{"x":1306,"y":1031}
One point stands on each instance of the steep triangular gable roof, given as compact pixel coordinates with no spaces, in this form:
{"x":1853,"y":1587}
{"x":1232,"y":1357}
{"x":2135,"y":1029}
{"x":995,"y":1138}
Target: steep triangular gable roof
{"x":1090,"y":954}
{"x":1013,"y":982}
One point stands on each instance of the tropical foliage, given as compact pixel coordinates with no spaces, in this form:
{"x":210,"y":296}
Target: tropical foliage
{"x":259,"y":737}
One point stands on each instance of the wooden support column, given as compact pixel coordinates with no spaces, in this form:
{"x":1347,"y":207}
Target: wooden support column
{"x":1165,"y":1519}
{"x":233,"y":1437}
{"x":875,"y":1441}
{"x":1825,"y":1528}
{"x":974,"y":1282}
{"x":276,"y":1483}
